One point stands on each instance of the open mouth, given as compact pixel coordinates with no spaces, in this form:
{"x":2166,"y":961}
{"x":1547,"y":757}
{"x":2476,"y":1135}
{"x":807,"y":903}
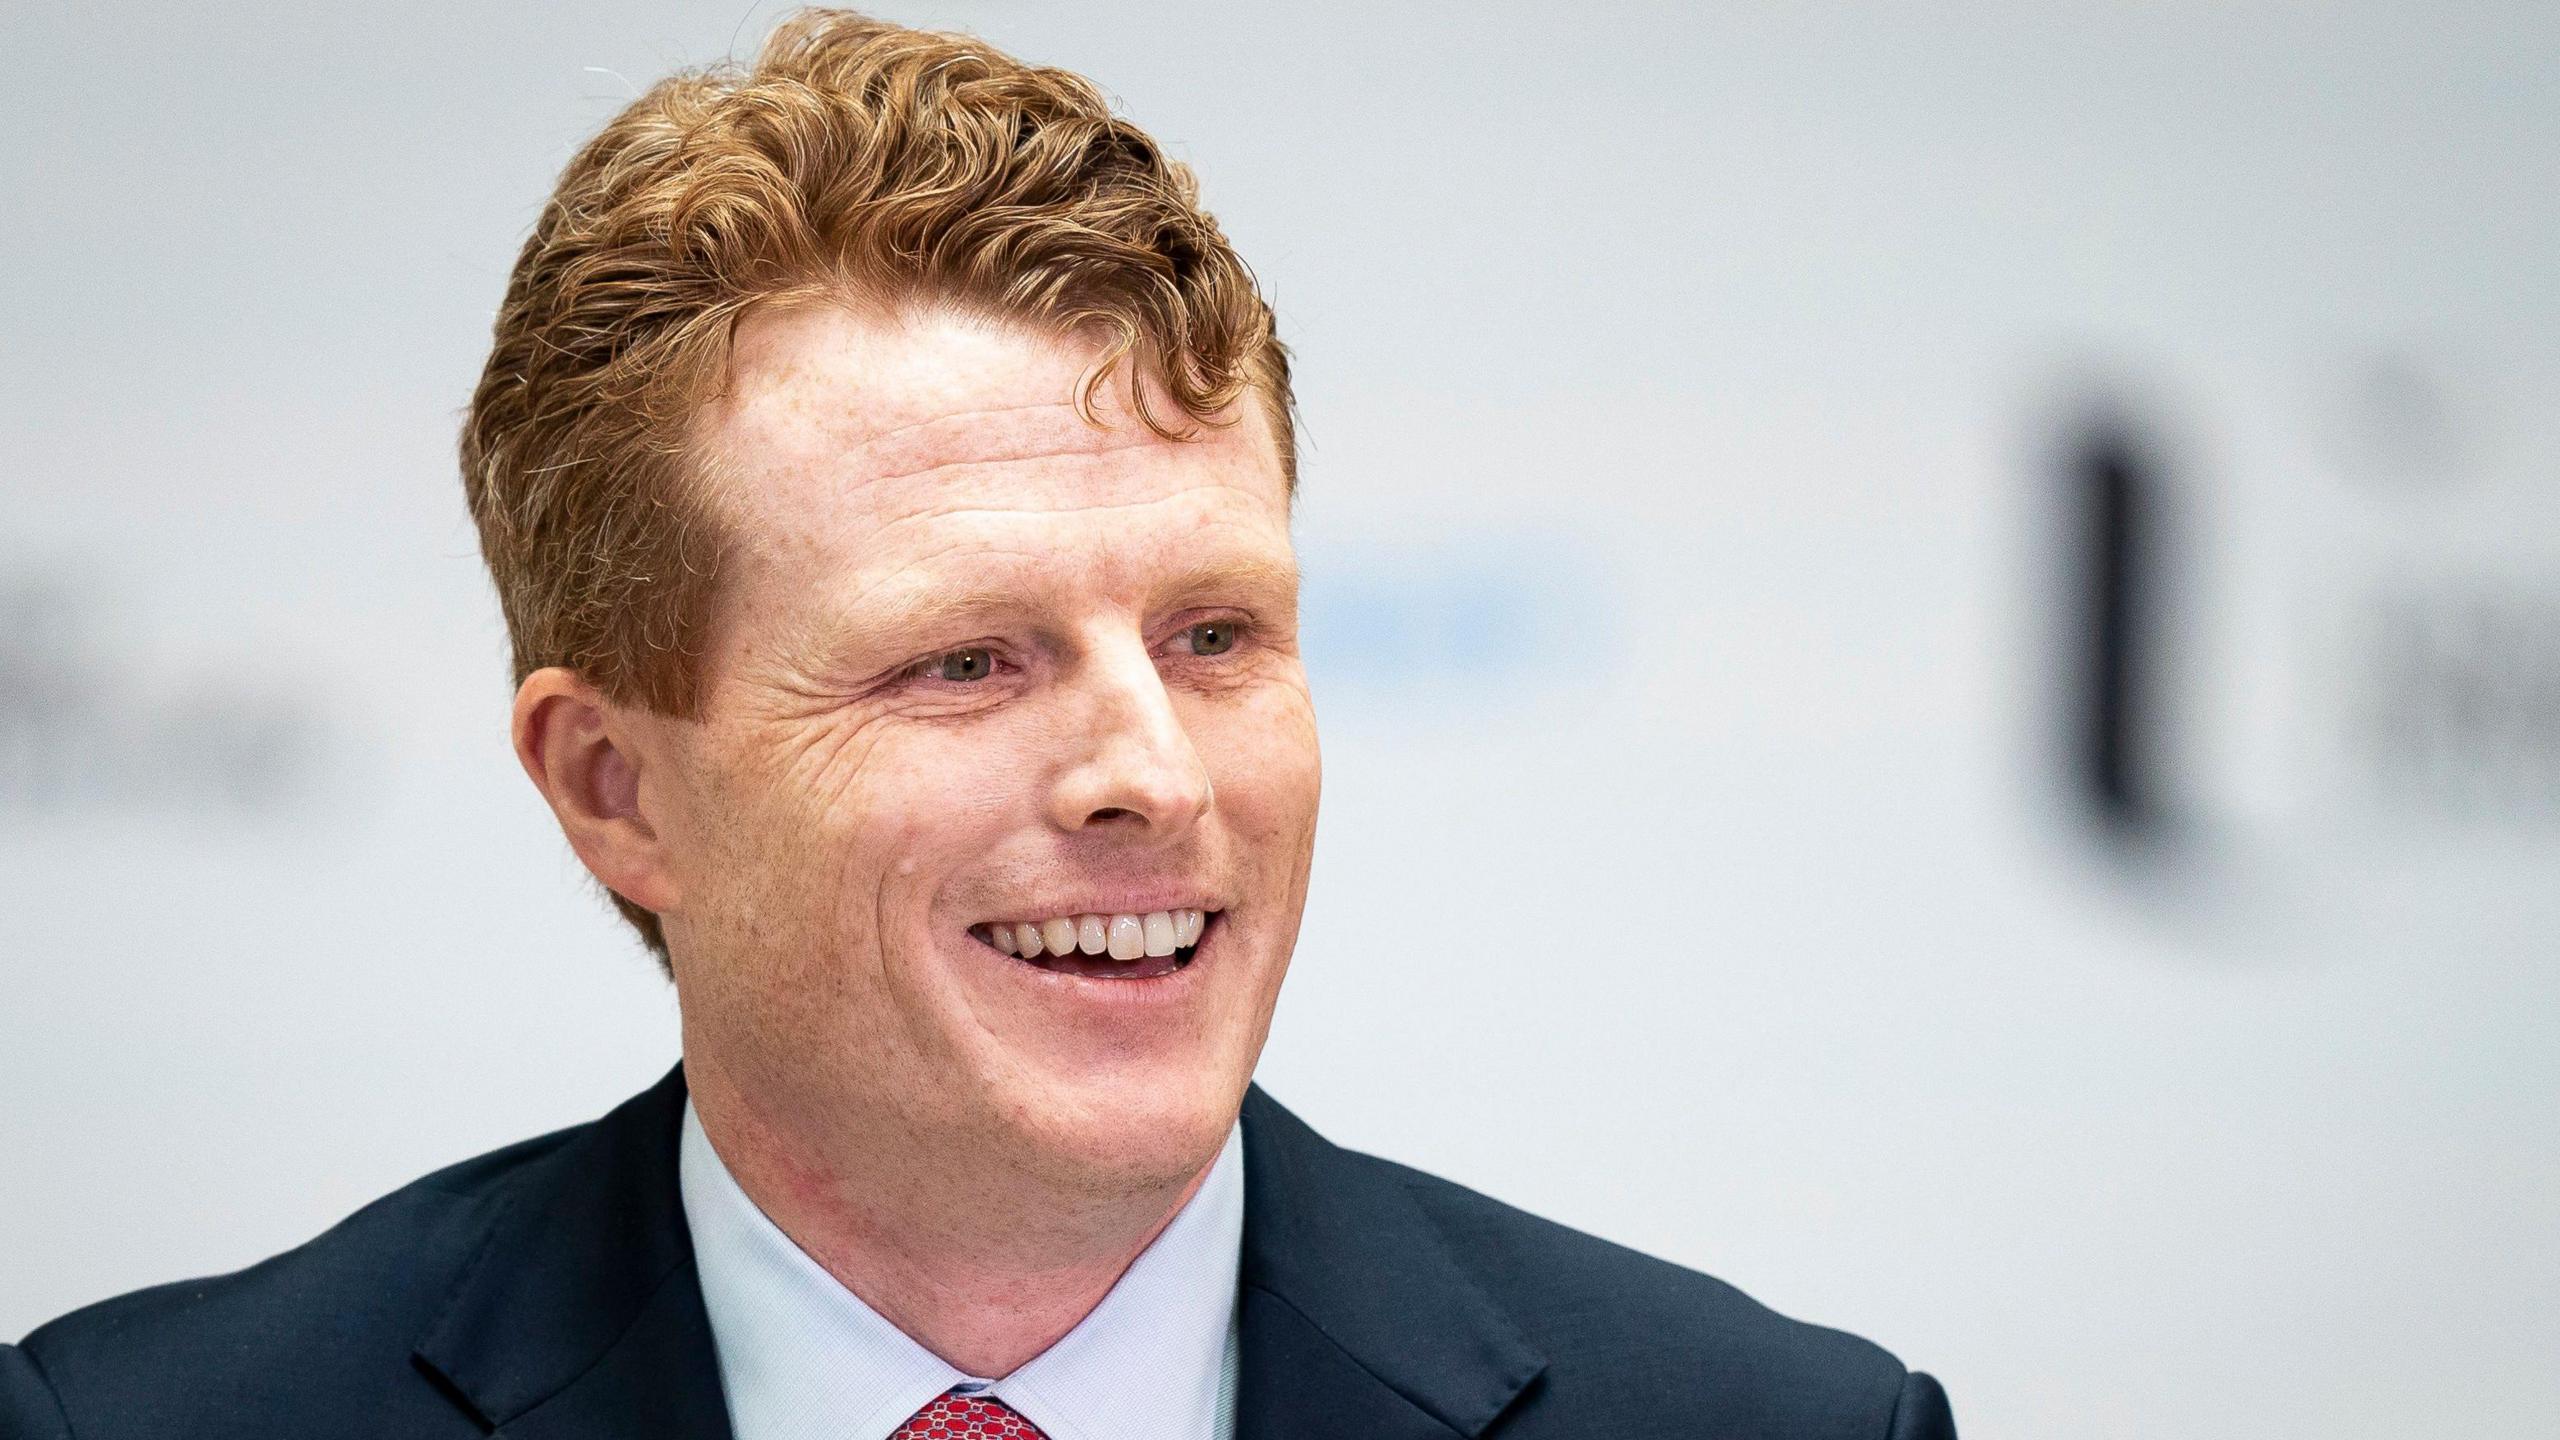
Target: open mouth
{"x":1103,"y":947}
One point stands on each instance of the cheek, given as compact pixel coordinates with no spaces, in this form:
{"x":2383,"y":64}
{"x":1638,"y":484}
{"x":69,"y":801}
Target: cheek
{"x":925,"y":806}
{"x":1263,"y":761}
{"x":780,"y":836}
{"x":862,"y":816}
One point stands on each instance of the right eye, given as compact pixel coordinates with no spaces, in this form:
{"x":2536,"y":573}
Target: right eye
{"x":973,"y":663}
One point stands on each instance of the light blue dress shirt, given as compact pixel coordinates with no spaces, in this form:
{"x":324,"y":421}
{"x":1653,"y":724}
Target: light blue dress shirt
{"x":803,"y":1358}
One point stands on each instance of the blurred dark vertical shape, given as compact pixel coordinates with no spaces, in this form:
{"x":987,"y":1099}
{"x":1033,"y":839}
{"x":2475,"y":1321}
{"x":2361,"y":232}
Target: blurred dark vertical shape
{"x":2114,"y":495}
{"x":41,"y":693}
{"x":80,"y":732}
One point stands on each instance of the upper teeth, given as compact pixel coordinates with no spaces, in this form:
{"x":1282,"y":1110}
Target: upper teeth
{"x":1125,"y":937}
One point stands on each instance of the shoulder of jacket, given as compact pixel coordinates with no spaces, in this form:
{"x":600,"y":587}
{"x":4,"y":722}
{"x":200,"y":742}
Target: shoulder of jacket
{"x":1607,"y":1315}
{"x":322,"y":1329}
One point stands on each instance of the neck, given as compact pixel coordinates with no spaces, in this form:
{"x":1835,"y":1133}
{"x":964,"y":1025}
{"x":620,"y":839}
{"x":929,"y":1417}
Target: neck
{"x":985,"y":1265}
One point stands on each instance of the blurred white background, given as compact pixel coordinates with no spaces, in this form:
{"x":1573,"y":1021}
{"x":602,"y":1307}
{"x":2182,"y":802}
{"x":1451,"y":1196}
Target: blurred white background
{"x":1691,"y":395}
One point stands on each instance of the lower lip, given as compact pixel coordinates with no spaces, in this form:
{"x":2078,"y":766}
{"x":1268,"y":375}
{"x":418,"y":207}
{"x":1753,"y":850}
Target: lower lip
{"x":1118,"y":992}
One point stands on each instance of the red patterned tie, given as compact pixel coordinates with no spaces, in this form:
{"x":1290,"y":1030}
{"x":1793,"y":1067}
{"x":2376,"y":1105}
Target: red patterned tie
{"x":968,"y":1417}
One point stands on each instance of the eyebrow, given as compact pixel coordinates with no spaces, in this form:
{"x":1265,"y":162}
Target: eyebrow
{"x":908,"y":615}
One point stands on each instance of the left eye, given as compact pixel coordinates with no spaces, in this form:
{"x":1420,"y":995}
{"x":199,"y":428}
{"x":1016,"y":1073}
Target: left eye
{"x":974,"y":663}
{"x":1212,"y":637}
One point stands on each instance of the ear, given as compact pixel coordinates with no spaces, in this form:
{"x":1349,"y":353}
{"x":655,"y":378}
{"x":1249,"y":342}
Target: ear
{"x":582,"y":754}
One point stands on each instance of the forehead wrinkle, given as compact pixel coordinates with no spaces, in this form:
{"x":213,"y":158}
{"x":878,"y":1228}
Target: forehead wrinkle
{"x":961,"y":510}
{"x":921,"y":466}
{"x":815,"y":535}
{"x":795,"y":491}
{"x":1025,"y":432}
{"x":832,"y":437}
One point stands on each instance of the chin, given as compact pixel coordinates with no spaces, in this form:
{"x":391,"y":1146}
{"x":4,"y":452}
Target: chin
{"x":1127,"y":1129}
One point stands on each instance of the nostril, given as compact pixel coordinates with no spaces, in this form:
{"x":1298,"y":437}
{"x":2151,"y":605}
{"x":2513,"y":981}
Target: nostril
{"x":1112,"y":812}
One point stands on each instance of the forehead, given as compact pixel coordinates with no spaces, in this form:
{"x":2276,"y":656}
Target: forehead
{"x":858,"y":439}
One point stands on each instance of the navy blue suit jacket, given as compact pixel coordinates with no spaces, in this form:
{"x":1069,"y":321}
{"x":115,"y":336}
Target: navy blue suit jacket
{"x":546,"y":1291}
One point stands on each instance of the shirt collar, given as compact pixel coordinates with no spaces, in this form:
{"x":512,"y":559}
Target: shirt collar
{"x":802,"y":1356}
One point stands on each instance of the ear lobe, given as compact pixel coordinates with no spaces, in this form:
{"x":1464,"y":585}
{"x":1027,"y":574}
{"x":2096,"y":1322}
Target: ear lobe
{"x":580,"y":751}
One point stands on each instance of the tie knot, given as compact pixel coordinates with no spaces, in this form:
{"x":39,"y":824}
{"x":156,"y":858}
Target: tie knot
{"x":955,"y":1416}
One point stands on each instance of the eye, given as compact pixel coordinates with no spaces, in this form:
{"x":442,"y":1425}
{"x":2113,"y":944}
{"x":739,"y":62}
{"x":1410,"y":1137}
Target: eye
{"x":1212,"y":637}
{"x":974,"y":663}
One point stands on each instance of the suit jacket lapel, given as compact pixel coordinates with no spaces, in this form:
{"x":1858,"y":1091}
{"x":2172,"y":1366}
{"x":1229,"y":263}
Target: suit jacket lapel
{"x":581,"y":1315}
{"x":1355,"y":1317}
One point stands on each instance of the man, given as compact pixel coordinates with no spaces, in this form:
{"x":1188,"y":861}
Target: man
{"x":885,"y":468}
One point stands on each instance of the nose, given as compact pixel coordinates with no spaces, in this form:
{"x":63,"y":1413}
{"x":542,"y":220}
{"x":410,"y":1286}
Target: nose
{"x":1134,"y":766}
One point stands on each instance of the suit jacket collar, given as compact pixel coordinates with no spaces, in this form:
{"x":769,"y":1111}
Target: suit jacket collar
{"x":581,"y":1315}
{"x":1356,"y":1318}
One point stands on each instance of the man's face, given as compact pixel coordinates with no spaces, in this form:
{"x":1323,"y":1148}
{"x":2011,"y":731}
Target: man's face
{"x":979,"y":663}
